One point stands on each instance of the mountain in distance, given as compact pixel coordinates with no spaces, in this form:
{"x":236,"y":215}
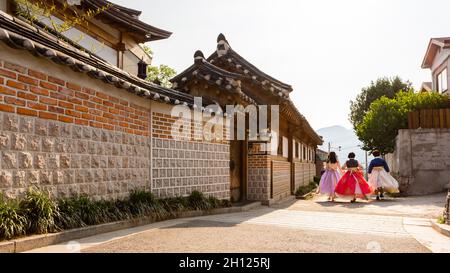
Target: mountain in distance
{"x":346,"y":139}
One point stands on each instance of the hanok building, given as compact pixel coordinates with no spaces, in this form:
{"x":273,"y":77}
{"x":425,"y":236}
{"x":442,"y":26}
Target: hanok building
{"x":227,"y":78}
{"x":74,"y":121}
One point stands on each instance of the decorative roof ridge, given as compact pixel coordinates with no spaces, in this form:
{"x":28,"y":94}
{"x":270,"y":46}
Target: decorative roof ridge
{"x":199,"y":61}
{"x":224,"y":50}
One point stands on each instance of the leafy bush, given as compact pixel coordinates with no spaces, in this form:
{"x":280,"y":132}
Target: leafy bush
{"x":12,"y":223}
{"x":40,"y":211}
{"x":441,"y":220}
{"x":37,"y":213}
{"x":302,"y":190}
{"x":198,"y":201}
{"x":316,"y":179}
{"x":380,"y":125}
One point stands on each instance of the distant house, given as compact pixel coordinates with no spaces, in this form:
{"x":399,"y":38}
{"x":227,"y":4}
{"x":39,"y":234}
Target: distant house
{"x":437,"y":59}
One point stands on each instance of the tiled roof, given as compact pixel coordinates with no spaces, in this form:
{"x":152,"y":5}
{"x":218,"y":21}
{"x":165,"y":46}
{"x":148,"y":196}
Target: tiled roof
{"x":129,"y":19}
{"x":20,"y":35}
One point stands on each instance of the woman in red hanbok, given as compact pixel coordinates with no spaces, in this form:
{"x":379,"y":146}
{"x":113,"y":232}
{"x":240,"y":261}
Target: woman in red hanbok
{"x":352,"y":183}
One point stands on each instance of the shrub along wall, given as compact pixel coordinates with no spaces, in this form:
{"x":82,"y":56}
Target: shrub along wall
{"x":37,"y":213}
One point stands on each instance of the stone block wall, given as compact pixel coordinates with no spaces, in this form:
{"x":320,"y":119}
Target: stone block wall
{"x":259,"y":175}
{"x":180,"y":167}
{"x":421,"y":161}
{"x":67,"y":133}
{"x":68,"y":159}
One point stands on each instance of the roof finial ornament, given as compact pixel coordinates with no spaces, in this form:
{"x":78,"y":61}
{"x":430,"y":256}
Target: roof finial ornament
{"x":198,"y":56}
{"x":222,"y":45}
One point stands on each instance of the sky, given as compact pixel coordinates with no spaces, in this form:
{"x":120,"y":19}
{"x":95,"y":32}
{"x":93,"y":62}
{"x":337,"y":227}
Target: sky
{"x":327,"y":50}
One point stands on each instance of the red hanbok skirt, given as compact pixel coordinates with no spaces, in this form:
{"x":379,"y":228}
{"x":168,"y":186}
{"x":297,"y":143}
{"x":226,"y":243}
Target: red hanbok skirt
{"x":351,"y":183}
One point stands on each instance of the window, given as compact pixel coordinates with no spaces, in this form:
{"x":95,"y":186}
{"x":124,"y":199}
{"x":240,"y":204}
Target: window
{"x":285,"y":147}
{"x":442,"y":81}
{"x":88,"y":42}
{"x":297,"y":148}
{"x":304,"y":153}
{"x":280,"y":145}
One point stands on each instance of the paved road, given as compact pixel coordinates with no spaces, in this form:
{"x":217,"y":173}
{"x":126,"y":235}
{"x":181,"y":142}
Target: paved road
{"x":296,"y":226}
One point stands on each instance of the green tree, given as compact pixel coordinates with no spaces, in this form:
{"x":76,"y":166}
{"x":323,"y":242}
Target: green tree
{"x":387,"y":87}
{"x":159,"y":74}
{"x":37,"y":10}
{"x":386,"y":116}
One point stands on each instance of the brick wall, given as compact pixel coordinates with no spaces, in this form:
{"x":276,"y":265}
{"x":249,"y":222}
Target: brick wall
{"x":82,"y":136}
{"x":180,"y":167}
{"x":32,"y":93}
{"x":258,"y":184}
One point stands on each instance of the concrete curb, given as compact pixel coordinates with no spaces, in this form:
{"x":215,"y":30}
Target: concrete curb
{"x":441,"y":228}
{"x":37,"y":241}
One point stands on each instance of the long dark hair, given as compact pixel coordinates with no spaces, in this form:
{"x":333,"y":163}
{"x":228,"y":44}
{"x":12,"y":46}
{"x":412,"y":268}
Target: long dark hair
{"x":332,"y":158}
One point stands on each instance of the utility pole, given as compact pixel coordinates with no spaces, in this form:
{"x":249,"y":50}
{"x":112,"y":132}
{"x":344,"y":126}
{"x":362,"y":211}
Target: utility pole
{"x":367,"y":175}
{"x":329,"y":147}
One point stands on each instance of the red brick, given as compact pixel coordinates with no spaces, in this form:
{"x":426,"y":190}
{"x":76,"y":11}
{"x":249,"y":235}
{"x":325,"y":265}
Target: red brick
{"x":95,"y":112}
{"x":66,"y":91}
{"x":81,"y":108}
{"x":15,"y":101}
{"x":15,"y":67}
{"x":56,"y":80}
{"x":97,"y":100}
{"x":108,"y":115}
{"x":73,"y":86}
{"x":124,"y":124}
{"x":81,"y":122}
{"x":7,"y":108}
{"x":124,"y":102}
{"x":103,"y":108}
{"x":81,"y":96}
{"x":27,"y":80}
{"x":75,"y":101}
{"x":46,"y":115}
{"x":58,"y":96}
{"x":56,"y":109}
{"x":87,"y":116}
{"x":95,"y":124}
{"x":48,"y":101}
{"x":119,"y":106}
{"x":7,"y":91}
{"x":89,"y":104}
{"x":36,"y":106}
{"x":27,"y":96}
{"x":36,"y":74}
{"x":108,"y":127}
{"x":101,"y":119}
{"x":2,"y":81}
{"x":89,"y":91}
{"x":73,"y":113}
{"x":102,"y":95}
{"x":49,"y":86}
{"x":17,"y":85}
{"x":65,"y":119}
{"x":113,"y":99}
{"x":27,"y":112}
{"x":108,"y":103}
{"x":65,"y":104}
{"x":39,"y":91}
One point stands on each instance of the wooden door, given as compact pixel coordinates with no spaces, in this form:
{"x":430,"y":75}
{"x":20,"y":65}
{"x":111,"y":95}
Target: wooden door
{"x":237,"y":170}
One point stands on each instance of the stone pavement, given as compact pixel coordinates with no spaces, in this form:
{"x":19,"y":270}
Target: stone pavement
{"x":295,"y":226}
